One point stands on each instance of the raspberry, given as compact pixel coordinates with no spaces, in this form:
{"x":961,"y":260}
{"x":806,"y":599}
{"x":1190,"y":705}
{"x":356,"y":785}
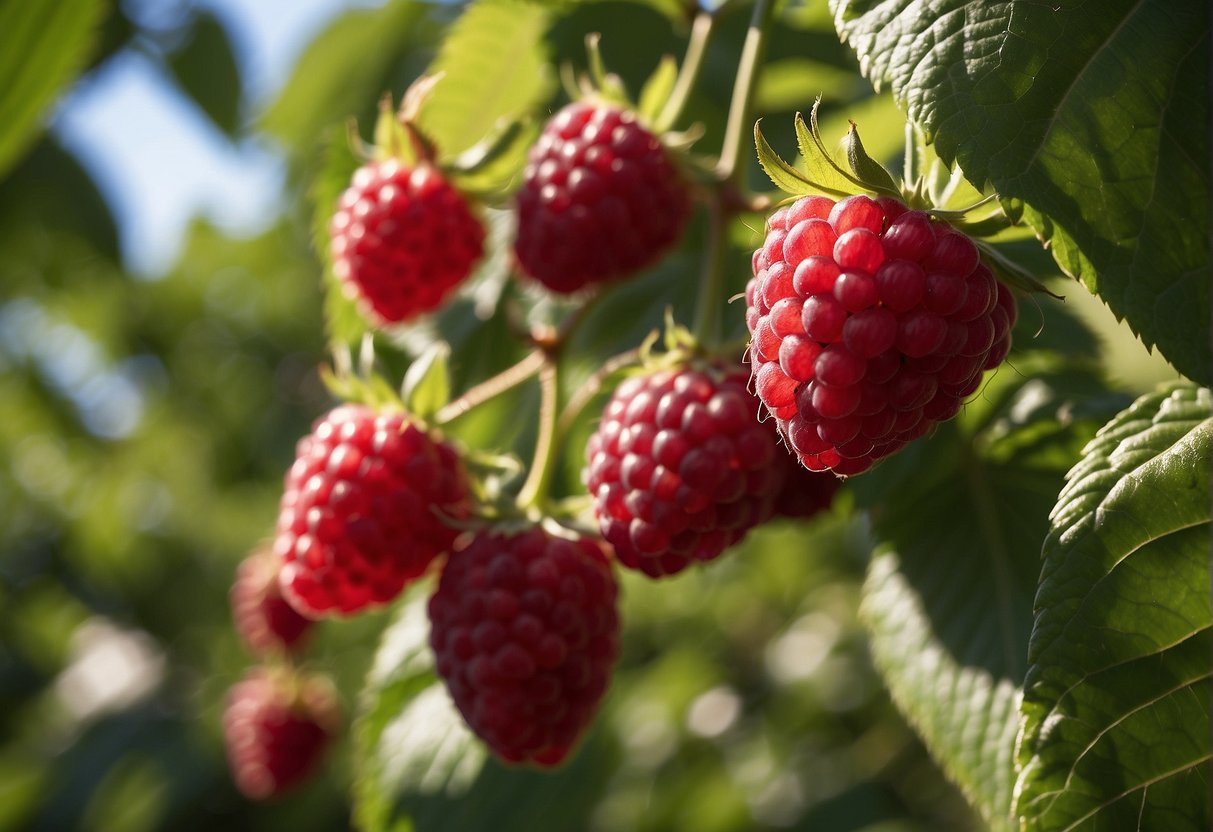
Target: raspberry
{"x":276,"y":729}
{"x":363,"y":510}
{"x":263,"y":618}
{"x":680,"y":467}
{"x":525,"y":634}
{"x":601,"y":199}
{"x":402,"y":239}
{"x":897,"y":320}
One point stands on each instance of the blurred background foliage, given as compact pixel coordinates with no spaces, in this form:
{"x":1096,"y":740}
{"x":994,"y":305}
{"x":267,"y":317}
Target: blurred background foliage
{"x":146,"y":422}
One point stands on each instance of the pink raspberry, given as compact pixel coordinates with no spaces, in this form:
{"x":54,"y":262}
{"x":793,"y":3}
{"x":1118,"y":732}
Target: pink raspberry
{"x":525,"y":634}
{"x":601,"y":199}
{"x":363,"y":510}
{"x":680,"y":468}
{"x":402,"y":239}
{"x":869,"y":325}
{"x":276,"y":729}
{"x":264,"y":619}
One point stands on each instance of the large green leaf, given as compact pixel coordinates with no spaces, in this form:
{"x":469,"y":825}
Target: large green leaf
{"x":205,"y":67}
{"x":960,"y":520}
{"x":1095,"y":114}
{"x":408,"y":734}
{"x":494,"y":66}
{"x":42,"y":47}
{"x":1115,"y":716}
{"x":343,"y":72}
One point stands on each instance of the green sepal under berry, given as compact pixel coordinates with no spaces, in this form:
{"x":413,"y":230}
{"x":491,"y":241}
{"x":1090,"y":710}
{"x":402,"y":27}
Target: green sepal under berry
{"x":823,"y":174}
{"x":363,"y":385}
{"x":397,"y":135}
{"x":426,"y":388}
{"x":654,"y":109}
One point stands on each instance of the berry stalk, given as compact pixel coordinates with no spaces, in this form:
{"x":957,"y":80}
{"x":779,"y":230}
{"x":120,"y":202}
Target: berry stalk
{"x":692,"y":63}
{"x":737,"y":127}
{"x":711,"y":281}
{"x":534,"y":491}
{"x":490,"y":388}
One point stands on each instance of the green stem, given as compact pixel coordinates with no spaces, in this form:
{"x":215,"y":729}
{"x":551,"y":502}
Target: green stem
{"x":739,"y":125}
{"x":711,"y":280}
{"x":587,"y":391}
{"x":491,"y":388}
{"x":534,"y":491}
{"x":724,"y":202}
{"x":692,"y":63}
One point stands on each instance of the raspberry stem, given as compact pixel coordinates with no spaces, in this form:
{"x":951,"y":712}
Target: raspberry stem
{"x":587,"y":391}
{"x":738,"y":127}
{"x":723,"y":203}
{"x":711,"y":281}
{"x":491,"y":388}
{"x":692,"y":63}
{"x":534,"y":491}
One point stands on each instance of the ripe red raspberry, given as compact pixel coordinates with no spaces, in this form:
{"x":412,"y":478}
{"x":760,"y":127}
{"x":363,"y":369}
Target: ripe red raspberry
{"x":402,"y":239}
{"x":362,"y":512}
{"x":263,"y":618}
{"x":276,"y":729}
{"x":680,"y":468}
{"x":525,"y":633}
{"x":869,"y":324}
{"x":601,"y":199}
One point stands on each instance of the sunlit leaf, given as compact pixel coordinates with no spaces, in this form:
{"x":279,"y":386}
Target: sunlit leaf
{"x":948,"y":597}
{"x":42,"y":47}
{"x":1115,"y":716}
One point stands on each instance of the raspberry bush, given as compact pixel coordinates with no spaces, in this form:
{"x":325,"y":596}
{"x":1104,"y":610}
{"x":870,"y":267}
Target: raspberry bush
{"x":656,"y":452}
{"x":871,"y":363}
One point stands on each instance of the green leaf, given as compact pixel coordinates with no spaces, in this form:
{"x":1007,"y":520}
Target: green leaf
{"x":343,"y":71}
{"x":494,"y":67}
{"x":427,"y":383}
{"x":656,"y":92}
{"x":1115,"y":716}
{"x":343,"y":323}
{"x":408,"y":734}
{"x":491,"y":166}
{"x":949,"y":591}
{"x":205,"y":67}
{"x":1096,"y":115}
{"x":43,"y":46}
{"x":785,"y":177}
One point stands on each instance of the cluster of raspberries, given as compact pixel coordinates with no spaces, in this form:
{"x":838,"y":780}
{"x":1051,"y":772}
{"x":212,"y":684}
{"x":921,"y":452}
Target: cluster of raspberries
{"x":869,"y":324}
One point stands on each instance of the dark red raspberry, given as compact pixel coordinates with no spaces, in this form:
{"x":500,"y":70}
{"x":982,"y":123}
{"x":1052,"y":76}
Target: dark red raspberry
{"x":601,"y":199}
{"x":402,"y":239}
{"x":680,"y":468}
{"x":276,"y":728}
{"x":884,"y":328}
{"x":263,"y":618}
{"x":525,"y":633}
{"x":363,"y":510}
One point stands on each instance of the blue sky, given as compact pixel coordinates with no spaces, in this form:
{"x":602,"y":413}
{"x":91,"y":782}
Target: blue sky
{"x":157,"y":158}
